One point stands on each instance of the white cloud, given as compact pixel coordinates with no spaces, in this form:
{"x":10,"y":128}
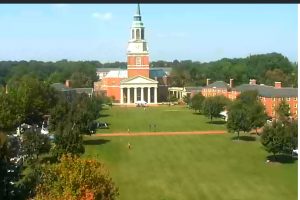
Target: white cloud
{"x":102,"y":16}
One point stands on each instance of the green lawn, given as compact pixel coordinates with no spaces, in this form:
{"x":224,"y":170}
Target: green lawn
{"x":196,"y":167}
{"x":165,"y":118}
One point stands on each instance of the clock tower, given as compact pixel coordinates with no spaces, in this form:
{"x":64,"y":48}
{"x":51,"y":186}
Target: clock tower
{"x":137,"y":51}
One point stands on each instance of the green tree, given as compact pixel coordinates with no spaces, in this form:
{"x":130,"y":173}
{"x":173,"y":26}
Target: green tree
{"x":238,"y":118}
{"x":35,"y":143}
{"x":283,"y":111}
{"x":212,"y":106}
{"x":254,"y":109}
{"x":272,"y":138}
{"x":67,"y":139}
{"x":76,"y":178}
{"x":280,"y":137}
{"x":196,"y":102}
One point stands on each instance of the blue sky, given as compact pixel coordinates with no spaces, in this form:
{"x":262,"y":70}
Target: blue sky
{"x":200,"y":32}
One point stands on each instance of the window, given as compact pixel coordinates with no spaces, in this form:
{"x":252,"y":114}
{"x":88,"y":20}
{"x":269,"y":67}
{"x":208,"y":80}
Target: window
{"x":142,"y":34}
{"x":295,"y":105}
{"x":138,"y":36}
{"x":296,"y":112}
{"x":295,"y":98}
{"x":132,"y":34}
{"x":273,"y":99}
{"x":138,"y":61}
{"x":288,"y":99}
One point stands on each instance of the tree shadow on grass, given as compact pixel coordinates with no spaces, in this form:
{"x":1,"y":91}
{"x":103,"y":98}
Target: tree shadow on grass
{"x":103,"y":115}
{"x":197,"y":113}
{"x":245,"y":138}
{"x":282,"y":158}
{"x":95,"y":142}
{"x":216,"y":122}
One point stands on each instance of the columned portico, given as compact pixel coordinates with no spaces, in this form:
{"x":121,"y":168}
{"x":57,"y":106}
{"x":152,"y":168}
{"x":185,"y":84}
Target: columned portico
{"x":144,"y":89}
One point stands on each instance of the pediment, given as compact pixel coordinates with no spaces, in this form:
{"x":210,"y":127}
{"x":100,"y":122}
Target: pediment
{"x":138,"y":80}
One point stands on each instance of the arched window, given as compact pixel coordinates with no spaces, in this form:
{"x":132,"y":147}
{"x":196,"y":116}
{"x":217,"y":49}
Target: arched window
{"x":142,"y":33}
{"x":138,"y":35}
{"x":138,"y":61}
{"x":132,"y":34}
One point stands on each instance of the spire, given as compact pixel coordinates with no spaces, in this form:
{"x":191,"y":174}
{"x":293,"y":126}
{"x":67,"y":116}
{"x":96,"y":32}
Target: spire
{"x":138,"y":11}
{"x":137,"y":16}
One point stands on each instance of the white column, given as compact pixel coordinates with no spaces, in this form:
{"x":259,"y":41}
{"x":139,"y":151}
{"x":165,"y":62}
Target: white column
{"x":149,"y":95}
{"x":121,"y":100}
{"x":128,"y":95}
{"x":142,"y":94}
{"x":135,"y":95}
{"x":155,"y":95}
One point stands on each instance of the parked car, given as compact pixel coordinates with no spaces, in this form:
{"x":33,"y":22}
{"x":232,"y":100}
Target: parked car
{"x":141,"y":103}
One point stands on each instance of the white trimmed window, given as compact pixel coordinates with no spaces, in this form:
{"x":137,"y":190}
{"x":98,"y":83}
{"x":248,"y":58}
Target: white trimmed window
{"x":295,"y":98}
{"x":138,"y":61}
{"x":296,"y":105}
{"x":288,"y":99}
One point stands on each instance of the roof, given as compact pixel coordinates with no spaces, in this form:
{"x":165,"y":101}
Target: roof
{"x":218,"y":84}
{"x":136,"y":77}
{"x":117,"y":74}
{"x":62,"y":88}
{"x":157,"y":72}
{"x":84,"y":90}
{"x":166,"y":69}
{"x":107,"y":69}
{"x":269,"y":91}
{"x":190,"y":89}
{"x":59,"y":86}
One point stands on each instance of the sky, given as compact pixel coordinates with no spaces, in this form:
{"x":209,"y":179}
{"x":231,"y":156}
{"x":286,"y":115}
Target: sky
{"x":198,"y":32}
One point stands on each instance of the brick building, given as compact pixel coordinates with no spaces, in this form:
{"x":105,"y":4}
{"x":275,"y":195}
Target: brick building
{"x":270,"y":96}
{"x":138,"y":82}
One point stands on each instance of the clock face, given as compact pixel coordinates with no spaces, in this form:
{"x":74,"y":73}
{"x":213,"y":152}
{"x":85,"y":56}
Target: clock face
{"x":135,"y":47}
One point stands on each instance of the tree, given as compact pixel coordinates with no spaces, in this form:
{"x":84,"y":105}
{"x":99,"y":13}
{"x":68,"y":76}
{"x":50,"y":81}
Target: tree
{"x":272,"y":138}
{"x":257,"y":114}
{"x":35,"y":143}
{"x":76,"y":178}
{"x":187,"y":99}
{"x":10,"y":112}
{"x":254,"y":108}
{"x":283,"y":111}
{"x":238,"y":118}
{"x":3,"y":164}
{"x":196,"y":102}
{"x":67,"y":139}
{"x":212,"y":106}
{"x":280,"y":137}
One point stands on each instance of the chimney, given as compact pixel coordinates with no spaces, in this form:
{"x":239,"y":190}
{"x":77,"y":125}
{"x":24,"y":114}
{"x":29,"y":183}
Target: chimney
{"x":231,"y":82}
{"x":252,"y":82}
{"x":68,"y":83}
{"x":207,"y":81}
{"x":277,"y":84}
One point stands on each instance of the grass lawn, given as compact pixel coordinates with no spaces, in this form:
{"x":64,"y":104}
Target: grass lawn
{"x":195,"y":167}
{"x":165,"y":118}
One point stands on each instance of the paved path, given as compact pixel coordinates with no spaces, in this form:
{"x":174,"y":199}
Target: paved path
{"x":160,"y":133}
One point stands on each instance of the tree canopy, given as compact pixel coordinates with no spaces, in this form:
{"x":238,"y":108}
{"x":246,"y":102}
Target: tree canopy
{"x":76,"y":178}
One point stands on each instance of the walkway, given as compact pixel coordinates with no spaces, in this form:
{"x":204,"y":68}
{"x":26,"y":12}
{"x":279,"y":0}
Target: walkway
{"x":160,"y":133}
